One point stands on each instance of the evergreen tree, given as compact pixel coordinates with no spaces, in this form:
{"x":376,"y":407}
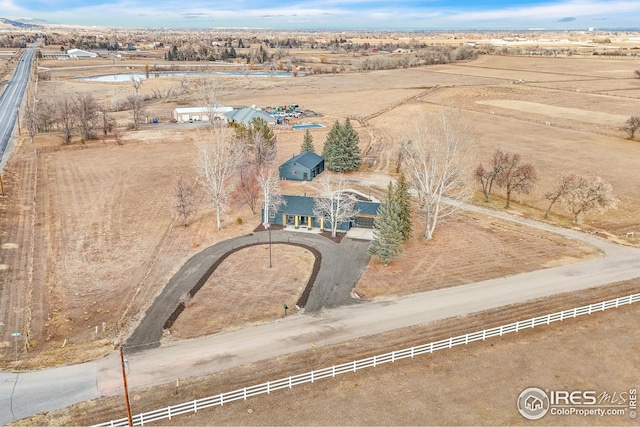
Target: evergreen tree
{"x":347,"y":155}
{"x":387,"y":235}
{"x":307,"y":143}
{"x":352,"y":143}
{"x":331,"y":143}
{"x":402,"y":199}
{"x":341,"y":148}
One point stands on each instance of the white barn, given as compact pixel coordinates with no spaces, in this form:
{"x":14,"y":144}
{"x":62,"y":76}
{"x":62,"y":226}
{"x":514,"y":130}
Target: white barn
{"x":200,"y":114}
{"x":79,"y":53}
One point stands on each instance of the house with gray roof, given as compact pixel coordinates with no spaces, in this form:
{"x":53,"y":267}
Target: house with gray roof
{"x":247,"y":115}
{"x":297,"y":212}
{"x":302,"y":167}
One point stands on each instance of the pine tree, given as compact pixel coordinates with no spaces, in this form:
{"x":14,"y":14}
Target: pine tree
{"x":402,"y":198}
{"x":387,"y":236}
{"x":345,"y":155}
{"x":331,"y":143}
{"x":307,"y":143}
{"x":351,"y":157}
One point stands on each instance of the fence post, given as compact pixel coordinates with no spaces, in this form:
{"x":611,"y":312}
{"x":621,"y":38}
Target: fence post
{"x":312,"y":376}
{"x":517,"y":325}
{"x":393,"y":356}
{"x":617,"y":301}
{"x":484,"y":334}
{"x":169,"y":411}
{"x":221,"y":399}
{"x":354,"y":366}
{"x":141,"y":419}
{"x":333,"y":370}
{"x":374,"y":360}
{"x":195,"y":406}
{"x":412,"y":352}
{"x":561,"y":316}
{"x":575,"y":312}
{"x":431,"y":347}
{"x":245,"y":391}
{"x":590,"y":307}
{"x":269,"y":383}
{"x":500,"y":330}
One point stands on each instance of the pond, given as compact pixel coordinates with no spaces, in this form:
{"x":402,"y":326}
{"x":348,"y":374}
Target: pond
{"x":127,"y":77}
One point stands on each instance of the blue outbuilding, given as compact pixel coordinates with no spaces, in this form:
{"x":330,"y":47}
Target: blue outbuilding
{"x":303,"y":167}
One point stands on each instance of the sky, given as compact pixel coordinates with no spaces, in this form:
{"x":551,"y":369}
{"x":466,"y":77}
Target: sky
{"x":335,"y":14}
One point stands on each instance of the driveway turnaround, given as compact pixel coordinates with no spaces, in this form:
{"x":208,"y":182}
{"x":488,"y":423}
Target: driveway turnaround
{"x":40,"y":391}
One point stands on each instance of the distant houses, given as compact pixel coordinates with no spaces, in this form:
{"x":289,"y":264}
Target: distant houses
{"x":302,"y":167}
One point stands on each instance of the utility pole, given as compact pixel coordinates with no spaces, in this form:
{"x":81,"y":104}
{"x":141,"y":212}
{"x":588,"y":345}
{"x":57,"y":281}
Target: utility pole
{"x":126,"y":390}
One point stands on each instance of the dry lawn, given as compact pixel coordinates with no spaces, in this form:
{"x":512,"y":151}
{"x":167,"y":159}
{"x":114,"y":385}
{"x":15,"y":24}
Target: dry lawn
{"x":240,"y":292}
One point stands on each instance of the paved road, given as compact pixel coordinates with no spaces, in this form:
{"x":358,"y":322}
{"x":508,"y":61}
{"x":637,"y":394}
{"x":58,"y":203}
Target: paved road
{"x":11,"y":99}
{"x":328,"y":326}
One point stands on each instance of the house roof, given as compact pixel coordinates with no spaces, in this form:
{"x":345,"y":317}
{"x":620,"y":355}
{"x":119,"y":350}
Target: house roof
{"x":246,"y":115}
{"x":80,"y":52}
{"x":298,"y":205}
{"x":307,"y":159}
{"x":303,"y":205}
{"x":367,"y":208}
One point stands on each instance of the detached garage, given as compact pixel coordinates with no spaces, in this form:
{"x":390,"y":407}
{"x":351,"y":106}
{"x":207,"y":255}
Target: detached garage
{"x":200,"y":114}
{"x":303,"y":167}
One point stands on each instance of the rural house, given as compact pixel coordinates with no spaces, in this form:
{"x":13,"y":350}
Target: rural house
{"x":297,"y":212}
{"x":247,"y":115}
{"x":303,"y":167}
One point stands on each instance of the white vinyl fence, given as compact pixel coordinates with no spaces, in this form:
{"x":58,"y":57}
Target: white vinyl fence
{"x":309,"y":377}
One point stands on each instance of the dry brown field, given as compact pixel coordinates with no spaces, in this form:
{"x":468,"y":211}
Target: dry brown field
{"x":88,"y":234}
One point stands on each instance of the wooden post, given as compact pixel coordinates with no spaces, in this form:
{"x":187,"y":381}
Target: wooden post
{"x":126,"y":390}
{"x":1,"y":186}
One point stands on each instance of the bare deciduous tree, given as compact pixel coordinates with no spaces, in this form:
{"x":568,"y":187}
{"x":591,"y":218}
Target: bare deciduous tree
{"x":66,"y":119}
{"x":487,"y":177}
{"x":86,"y":109}
{"x":31,"y":118}
{"x":631,"y":126}
{"x":563,"y":185}
{"x":334,"y":205}
{"x":217,"y":165}
{"x":185,"y":199}
{"x":438,"y":162}
{"x":248,"y":188}
{"x":587,"y":193}
{"x":136,"y":104}
{"x":269,"y":185}
{"x":516,"y":177}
